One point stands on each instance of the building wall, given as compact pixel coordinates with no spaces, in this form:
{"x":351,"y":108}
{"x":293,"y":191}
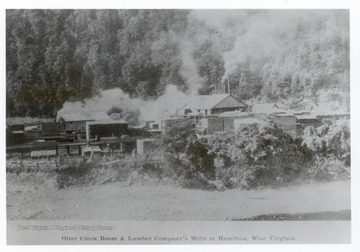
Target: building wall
{"x":216,"y":111}
{"x":204,"y":123}
{"x":136,"y":132}
{"x":107,"y":130}
{"x":237,"y":123}
{"x":31,"y":136}
{"x":229,"y":122}
{"x":16,"y":127}
{"x":50,"y":129}
{"x":144,"y":146}
{"x":215,"y":124}
{"x":75,"y":126}
{"x":287,"y":124}
{"x":14,"y":139}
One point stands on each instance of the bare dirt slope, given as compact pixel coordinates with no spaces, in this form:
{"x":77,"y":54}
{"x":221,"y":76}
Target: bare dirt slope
{"x":117,"y":201}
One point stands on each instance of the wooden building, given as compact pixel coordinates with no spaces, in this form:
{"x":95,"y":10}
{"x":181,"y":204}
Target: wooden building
{"x":50,"y":129}
{"x":109,"y":128}
{"x":15,"y":134}
{"x":153,"y":127}
{"x":77,"y":121}
{"x":212,"y":124}
{"x":212,"y":104}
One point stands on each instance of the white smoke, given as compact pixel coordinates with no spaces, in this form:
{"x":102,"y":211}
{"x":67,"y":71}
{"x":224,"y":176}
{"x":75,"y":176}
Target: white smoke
{"x":261,"y":36}
{"x":165,"y":106}
{"x":255,"y":36}
{"x":188,"y":69}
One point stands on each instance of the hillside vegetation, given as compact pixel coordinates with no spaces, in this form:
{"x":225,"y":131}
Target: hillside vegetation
{"x":52,"y":56}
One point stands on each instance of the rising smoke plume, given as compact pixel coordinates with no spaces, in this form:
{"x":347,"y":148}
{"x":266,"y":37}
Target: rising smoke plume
{"x":260,"y":37}
{"x":165,"y":106}
{"x":188,"y":69}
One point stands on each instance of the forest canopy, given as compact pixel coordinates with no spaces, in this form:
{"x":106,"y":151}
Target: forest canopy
{"x":294,"y":56}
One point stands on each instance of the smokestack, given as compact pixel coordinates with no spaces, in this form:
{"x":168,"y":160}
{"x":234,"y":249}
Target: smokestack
{"x":228,"y":85}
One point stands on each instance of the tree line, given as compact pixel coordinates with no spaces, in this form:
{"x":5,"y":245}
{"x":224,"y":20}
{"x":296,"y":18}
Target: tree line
{"x":54,"y":56}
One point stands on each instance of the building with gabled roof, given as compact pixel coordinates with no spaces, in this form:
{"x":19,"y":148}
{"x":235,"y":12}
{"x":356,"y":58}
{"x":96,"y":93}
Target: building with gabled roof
{"x":212,"y":104}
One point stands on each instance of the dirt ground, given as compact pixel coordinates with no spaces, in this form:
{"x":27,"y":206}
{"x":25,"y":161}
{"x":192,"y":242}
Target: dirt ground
{"x":118,"y":201}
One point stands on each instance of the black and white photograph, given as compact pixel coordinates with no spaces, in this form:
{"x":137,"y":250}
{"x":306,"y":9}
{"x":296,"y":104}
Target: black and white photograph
{"x":152,"y":116}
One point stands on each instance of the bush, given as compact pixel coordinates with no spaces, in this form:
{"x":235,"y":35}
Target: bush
{"x":81,"y":172}
{"x":258,"y":155}
{"x":145,"y":171}
{"x":78,"y":173}
{"x":326,"y":169}
{"x":330,"y":140}
{"x":186,"y":159}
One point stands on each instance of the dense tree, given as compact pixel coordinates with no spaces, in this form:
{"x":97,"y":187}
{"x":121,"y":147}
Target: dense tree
{"x":53,"y":56}
{"x":332,"y":139}
{"x":187,"y":159}
{"x":261,"y":153}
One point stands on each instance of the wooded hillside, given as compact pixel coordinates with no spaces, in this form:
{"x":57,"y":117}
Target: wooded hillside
{"x":53,"y":56}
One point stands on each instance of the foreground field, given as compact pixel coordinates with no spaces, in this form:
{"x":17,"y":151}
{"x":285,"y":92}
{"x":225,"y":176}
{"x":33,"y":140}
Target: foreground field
{"x":118,"y":201}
